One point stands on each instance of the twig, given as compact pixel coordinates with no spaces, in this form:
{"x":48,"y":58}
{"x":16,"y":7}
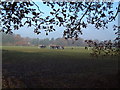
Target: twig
{"x":116,"y":13}
{"x":37,"y":7}
{"x":85,"y":12}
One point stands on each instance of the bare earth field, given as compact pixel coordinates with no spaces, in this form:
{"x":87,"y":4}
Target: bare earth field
{"x":31,"y":67}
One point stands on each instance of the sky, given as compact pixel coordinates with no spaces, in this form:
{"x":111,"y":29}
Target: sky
{"x":88,"y":33}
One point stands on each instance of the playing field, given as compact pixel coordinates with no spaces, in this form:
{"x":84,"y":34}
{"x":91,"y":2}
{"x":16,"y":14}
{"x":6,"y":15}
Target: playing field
{"x":47,"y":68}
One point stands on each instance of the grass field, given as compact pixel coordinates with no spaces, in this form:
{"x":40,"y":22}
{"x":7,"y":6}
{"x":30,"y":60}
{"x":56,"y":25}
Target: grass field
{"x":31,"y":67}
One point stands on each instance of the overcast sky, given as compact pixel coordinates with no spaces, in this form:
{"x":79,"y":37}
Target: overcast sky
{"x":89,"y":33}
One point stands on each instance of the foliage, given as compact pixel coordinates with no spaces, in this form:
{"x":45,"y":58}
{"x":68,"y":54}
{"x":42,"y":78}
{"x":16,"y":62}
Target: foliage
{"x":17,"y":14}
{"x":104,"y":48}
{"x":72,"y":15}
{"x":77,"y":15}
{"x":107,"y":47}
{"x":15,"y":40}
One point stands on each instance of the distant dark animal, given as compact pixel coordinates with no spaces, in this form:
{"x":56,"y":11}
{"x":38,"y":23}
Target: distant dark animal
{"x":86,"y":48}
{"x":62,"y":47}
{"x":42,"y":46}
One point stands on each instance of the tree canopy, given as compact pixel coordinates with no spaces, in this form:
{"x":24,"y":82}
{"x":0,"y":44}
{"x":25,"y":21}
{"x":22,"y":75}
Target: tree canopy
{"x":72,"y":15}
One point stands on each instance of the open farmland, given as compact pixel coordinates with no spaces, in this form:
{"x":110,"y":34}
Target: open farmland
{"x":31,"y":67}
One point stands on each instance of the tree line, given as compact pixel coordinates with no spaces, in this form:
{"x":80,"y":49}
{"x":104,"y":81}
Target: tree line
{"x":18,"y":40}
